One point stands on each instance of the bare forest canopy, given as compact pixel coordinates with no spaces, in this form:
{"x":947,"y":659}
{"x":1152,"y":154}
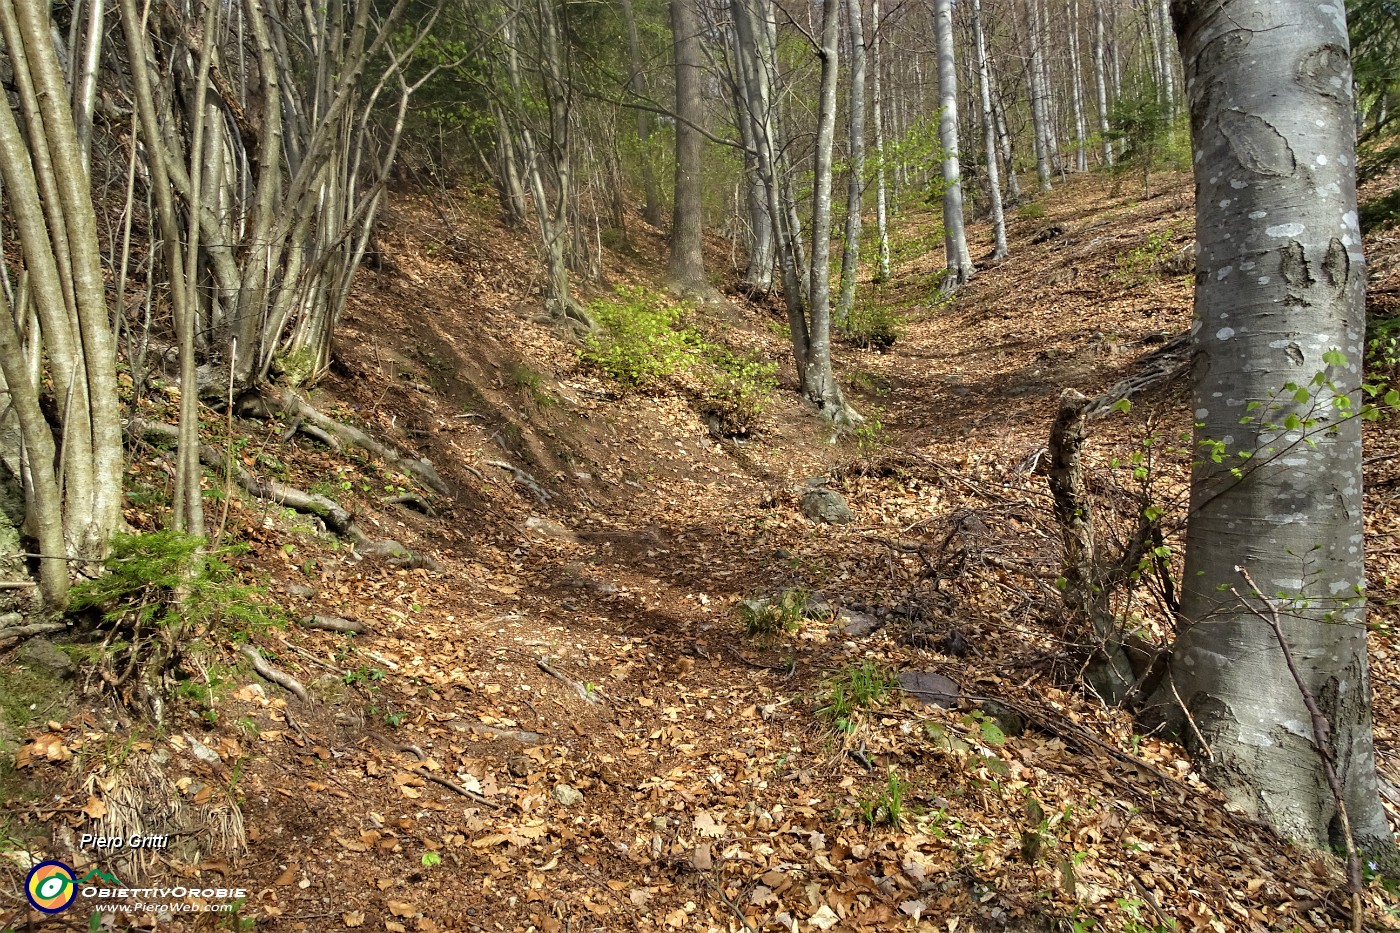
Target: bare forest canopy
{"x":727,"y":207}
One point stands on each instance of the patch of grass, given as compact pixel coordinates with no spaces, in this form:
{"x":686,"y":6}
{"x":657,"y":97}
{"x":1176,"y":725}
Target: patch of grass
{"x":853,"y":689}
{"x":532,"y":382}
{"x":1030,"y":211}
{"x":782,"y":613}
{"x":885,"y":805}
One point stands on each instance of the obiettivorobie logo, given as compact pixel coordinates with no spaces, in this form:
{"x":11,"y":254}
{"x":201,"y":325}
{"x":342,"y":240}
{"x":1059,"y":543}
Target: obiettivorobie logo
{"x":52,"y":887}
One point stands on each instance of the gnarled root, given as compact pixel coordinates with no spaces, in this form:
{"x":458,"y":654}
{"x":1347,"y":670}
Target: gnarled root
{"x":295,"y":407}
{"x":327,"y":510}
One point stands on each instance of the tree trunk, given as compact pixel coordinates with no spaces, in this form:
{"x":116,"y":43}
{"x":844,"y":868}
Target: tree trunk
{"x":685,"y":267}
{"x":1081,"y":156}
{"x":818,"y":377}
{"x":855,"y":185}
{"x":1169,"y":53}
{"x":955,"y":236}
{"x":1279,"y":338}
{"x":1008,"y":150}
{"x":1040,"y":116}
{"x":878,"y":107}
{"x":1101,"y":84}
{"x":651,"y":191}
{"x":989,"y":133}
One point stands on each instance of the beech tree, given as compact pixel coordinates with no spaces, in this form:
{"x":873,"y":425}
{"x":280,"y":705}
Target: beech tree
{"x":685,"y":268}
{"x":1279,"y":337}
{"x":955,"y":236}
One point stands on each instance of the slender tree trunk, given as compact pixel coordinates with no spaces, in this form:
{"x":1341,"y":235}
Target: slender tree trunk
{"x":878,"y":106}
{"x":685,"y":268}
{"x":1081,"y":156}
{"x":1280,"y":304}
{"x":855,"y":185}
{"x":989,"y":132}
{"x":1100,"y":84}
{"x":651,"y":191}
{"x":1169,"y":54}
{"x":1040,"y":116}
{"x":955,"y":236}
{"x":1008,"y":150}
{"x":818,"y":377}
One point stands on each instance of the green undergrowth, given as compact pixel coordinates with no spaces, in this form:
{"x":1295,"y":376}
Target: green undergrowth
{"x":648,"y":341}
{"x":850,"y":691}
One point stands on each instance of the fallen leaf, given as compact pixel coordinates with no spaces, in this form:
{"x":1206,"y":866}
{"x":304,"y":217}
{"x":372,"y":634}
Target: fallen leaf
{"x":288,"y":876}
{"x":353,"y":919}
{"x":95,"y":808}
{"x":824,"y":919}
{"x":402,"y":909}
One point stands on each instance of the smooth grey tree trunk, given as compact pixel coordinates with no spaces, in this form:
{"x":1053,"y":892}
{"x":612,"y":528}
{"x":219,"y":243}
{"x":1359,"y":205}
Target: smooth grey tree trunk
{"x":1101,"y":84}
{"x":954,"y":232}
{"x":877,"y":102}
{"x":1004,"y":140}
{"x":1081,"y":156}
{"x":1279,"y":342}
{"x":685,"y":267}
{"x":989,"y":133}
{"x":1169,"y":54}
{"x":1040,"y":118}
{"x":818,"y":378}
{"x":855,"y":184}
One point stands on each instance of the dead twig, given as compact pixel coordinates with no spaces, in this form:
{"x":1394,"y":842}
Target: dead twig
{"x":1322,"y":741}
{"x":454,"y":786}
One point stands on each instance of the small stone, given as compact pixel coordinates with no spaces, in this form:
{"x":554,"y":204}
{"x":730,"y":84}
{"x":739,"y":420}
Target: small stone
{"x":567,"y":795}
{"x":518,"y":766}
{"x":858,"y":624}
{"x":1010,"y":721}
{"x":301,"y":591}
{"x":826,"y":506}
{"x":329,"y":689}
{"x":40,"y":654}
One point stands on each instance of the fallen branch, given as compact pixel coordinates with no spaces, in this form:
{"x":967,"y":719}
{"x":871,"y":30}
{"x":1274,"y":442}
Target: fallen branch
{"x":454,"y":786}
{"x":272,"y":674}
{"x":335,"y":624}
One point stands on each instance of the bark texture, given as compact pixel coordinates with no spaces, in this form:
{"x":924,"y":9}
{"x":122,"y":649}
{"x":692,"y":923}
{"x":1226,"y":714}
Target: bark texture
{"x":955,"y":236}
{"x":1279,"y":339}
{"x":685,"y":269}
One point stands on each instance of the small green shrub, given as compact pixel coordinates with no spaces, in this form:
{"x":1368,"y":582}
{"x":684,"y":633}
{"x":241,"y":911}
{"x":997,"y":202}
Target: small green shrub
{"x":164,"y":595}
{"x":872,"y":325}
{"x":885,"y":805}
{"x":739,"y":389}
{"x":870,"y":435}
{"x":1030,"y":211}
{"x":1140,"y":264}
{"x":642,"y":341}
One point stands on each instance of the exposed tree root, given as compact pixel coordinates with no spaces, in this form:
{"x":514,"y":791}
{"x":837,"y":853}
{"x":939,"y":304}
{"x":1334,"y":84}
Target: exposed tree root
{"x":330,"y":512}
{"x":295,"y":407}
{"x":270,"y":673}
{"x":10,"y":636}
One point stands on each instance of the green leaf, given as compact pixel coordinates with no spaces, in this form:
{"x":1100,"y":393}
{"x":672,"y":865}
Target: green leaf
{"x":1123,"y":406}
{"x":1302,"y":396}
{"x":1291,"y":422}
{"x":1392,"y":398}
{"x":1152,"y":513}
{"x":1334,"y":357}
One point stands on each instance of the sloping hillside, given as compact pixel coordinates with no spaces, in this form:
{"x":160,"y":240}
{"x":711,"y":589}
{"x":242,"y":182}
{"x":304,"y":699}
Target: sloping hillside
{"x":629,"y":684}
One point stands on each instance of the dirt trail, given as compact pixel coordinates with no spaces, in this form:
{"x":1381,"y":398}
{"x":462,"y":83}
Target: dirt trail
{"x":567,"y":728}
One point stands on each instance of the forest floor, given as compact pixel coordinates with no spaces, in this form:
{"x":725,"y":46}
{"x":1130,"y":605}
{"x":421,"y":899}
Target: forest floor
{"x":567,"y":727}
